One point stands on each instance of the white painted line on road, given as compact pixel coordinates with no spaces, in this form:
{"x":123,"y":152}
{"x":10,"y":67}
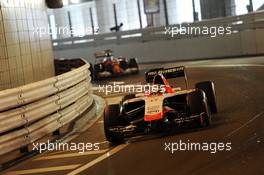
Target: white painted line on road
{"x":99,"y":159}
{"x":103,"y":142}
{"x":44,"y":170}
{"x":248,"y":122}
{"x":77,"y":154}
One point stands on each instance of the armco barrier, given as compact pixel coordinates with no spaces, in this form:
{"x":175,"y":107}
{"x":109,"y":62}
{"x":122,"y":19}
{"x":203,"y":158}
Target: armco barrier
{"x":30,"y":112}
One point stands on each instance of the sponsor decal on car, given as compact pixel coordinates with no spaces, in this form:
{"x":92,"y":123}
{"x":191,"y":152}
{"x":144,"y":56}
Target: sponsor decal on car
{"x":153,"y":108}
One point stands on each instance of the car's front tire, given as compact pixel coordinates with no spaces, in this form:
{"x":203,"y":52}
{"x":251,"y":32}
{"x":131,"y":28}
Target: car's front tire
{"x":111,"y":120}
{"x":96,"y":70}
{"x":209,"y":89}
{"x":198,"y":105}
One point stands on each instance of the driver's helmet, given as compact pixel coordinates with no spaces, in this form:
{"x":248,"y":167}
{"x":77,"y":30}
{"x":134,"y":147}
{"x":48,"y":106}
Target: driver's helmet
{"x":161,"y":81}
{"x":108,"y":53}
{"x":158,"y":80}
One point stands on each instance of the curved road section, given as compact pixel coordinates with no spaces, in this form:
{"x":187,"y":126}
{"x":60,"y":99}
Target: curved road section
{"x":233,"y":144}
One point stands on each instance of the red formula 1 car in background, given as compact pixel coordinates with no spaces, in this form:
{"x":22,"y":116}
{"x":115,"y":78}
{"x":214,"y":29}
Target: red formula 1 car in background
{"x":161,"y":110}
{"x":106,"y":65}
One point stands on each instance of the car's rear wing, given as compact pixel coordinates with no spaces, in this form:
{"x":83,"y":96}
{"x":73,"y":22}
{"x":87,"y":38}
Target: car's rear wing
{"x":168,"y":73}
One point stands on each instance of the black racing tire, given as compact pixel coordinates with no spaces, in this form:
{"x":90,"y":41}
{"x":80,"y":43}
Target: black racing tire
{"x":123,"y":64}
{"x":129,"y":96}
{"x":98,"y":68}
{"x":132,"y":63}
{"x":209,"y":89}
{"x":198,"y":105}
{"x":109,"y":68}
{"x":111,"y":120}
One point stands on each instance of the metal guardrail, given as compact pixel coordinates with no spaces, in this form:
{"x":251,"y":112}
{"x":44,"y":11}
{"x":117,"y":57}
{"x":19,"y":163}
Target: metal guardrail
{"x":249,"y":21}
{"x":33,"y":111}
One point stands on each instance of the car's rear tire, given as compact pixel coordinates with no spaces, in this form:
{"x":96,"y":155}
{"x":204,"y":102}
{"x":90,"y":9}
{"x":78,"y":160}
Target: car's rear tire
{"x":198,"y":105}
{"x":132,"y":63}
{"x":123,"y":64}
{"x":209,"y":89}
{"x":111,"y":120}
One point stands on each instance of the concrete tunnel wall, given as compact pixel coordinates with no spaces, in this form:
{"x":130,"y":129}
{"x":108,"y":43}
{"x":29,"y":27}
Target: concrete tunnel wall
{"x":238,"y":44}
{"x":25,"y":57}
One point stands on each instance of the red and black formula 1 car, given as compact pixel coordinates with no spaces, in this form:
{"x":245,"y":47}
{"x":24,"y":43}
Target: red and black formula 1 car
{"x":164,"y":109}
{"x":106,"y":65}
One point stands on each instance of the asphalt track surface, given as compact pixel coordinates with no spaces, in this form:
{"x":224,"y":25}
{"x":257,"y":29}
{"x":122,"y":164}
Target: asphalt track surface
{"x":240,"y":120}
